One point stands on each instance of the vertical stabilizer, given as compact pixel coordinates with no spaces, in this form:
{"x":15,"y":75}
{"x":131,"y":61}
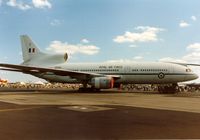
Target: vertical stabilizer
{"x":29,"y":49}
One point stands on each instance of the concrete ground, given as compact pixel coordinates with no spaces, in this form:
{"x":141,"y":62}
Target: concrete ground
{"x":106,"y":115}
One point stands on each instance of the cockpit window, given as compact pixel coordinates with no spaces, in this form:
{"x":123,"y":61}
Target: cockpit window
{"x":188,"y":70}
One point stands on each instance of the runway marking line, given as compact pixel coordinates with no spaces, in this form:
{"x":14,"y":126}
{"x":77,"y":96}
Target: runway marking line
{"x":17,"y":109}
{"x":86,"y":108}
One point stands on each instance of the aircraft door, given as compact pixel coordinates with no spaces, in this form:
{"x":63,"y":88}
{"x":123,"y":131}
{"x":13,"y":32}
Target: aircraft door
{"x":127,"y":69}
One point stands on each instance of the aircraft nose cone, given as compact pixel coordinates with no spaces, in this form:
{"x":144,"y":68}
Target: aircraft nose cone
{"x":196,"y":76}
{"x":191,"y":77}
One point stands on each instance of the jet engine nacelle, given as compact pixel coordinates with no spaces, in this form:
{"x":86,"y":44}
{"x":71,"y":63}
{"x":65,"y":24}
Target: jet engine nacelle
{"x":56,"y":58}
{"x":102,"y":82}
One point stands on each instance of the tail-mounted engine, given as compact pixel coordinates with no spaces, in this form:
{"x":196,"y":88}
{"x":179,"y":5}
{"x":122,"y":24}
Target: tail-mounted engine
{"x":54,"y":58}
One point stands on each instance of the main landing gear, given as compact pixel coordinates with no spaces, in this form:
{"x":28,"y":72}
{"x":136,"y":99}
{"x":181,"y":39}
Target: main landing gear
{"x":88,"y":88}
{"x":168,"y":88}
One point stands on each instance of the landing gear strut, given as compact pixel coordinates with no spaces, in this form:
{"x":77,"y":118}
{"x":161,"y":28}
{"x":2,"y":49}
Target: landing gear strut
{"x":168,"y":89}
{"x":85,"y":88}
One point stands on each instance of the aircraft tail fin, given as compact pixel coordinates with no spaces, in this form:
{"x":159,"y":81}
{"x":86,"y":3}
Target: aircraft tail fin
{"x":33,"y":56}
{"x":29,"y":48}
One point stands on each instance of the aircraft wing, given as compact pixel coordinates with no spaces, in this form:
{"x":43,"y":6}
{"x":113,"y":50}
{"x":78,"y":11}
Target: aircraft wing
{"x":62,"y":72}
{"x":183,"y":64}
{"x":193,"y":64}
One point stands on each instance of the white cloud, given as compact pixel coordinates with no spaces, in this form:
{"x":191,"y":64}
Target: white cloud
{"x":194,"y":18}
{"x":41,"y":4}
{"x":59,"y":47}
{"x":1,"y":2}
{"x":146,"y":34}
{"x":85,"y":40}
{"x":183,"y":24}
{"x":55,"y":22}
{"x":20,"y":5}
{"x":193,"y":55}
{"x":23,"y":6}
{"x":194,"y":47}
{"x":133,"y":46}
{"x":134,"y":59}
{"x":170,"y":59}
{"x":121,"y":61}
{"x":138,"y":57}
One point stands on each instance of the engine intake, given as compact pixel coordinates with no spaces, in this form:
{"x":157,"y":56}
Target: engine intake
{"x":102,"y":82}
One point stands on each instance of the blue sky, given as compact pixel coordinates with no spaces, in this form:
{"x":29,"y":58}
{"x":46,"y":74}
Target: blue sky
{"x":102,"y":30}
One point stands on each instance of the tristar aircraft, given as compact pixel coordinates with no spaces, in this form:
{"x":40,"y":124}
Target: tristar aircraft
{"x":55,"y":68}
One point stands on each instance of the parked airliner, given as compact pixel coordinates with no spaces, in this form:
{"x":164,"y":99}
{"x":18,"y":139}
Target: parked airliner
{"x":55,"y":68}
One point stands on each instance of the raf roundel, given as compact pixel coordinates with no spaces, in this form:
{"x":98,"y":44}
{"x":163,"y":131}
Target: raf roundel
{"x":161,"y":75}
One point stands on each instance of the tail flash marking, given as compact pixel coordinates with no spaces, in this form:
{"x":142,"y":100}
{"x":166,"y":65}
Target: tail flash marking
{"x":29,"y":48}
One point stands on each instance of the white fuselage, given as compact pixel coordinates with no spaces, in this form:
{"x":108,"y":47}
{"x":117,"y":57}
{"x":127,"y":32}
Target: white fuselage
{"x":129,"y":73}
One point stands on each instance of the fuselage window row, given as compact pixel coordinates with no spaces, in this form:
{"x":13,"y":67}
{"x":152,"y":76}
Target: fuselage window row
{"x":89,"y":70}
{"x":151,"y":70}
{"x":97,"y":70}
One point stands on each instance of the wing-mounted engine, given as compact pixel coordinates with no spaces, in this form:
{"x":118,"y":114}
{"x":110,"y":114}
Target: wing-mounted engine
{"x":102,"y":82}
